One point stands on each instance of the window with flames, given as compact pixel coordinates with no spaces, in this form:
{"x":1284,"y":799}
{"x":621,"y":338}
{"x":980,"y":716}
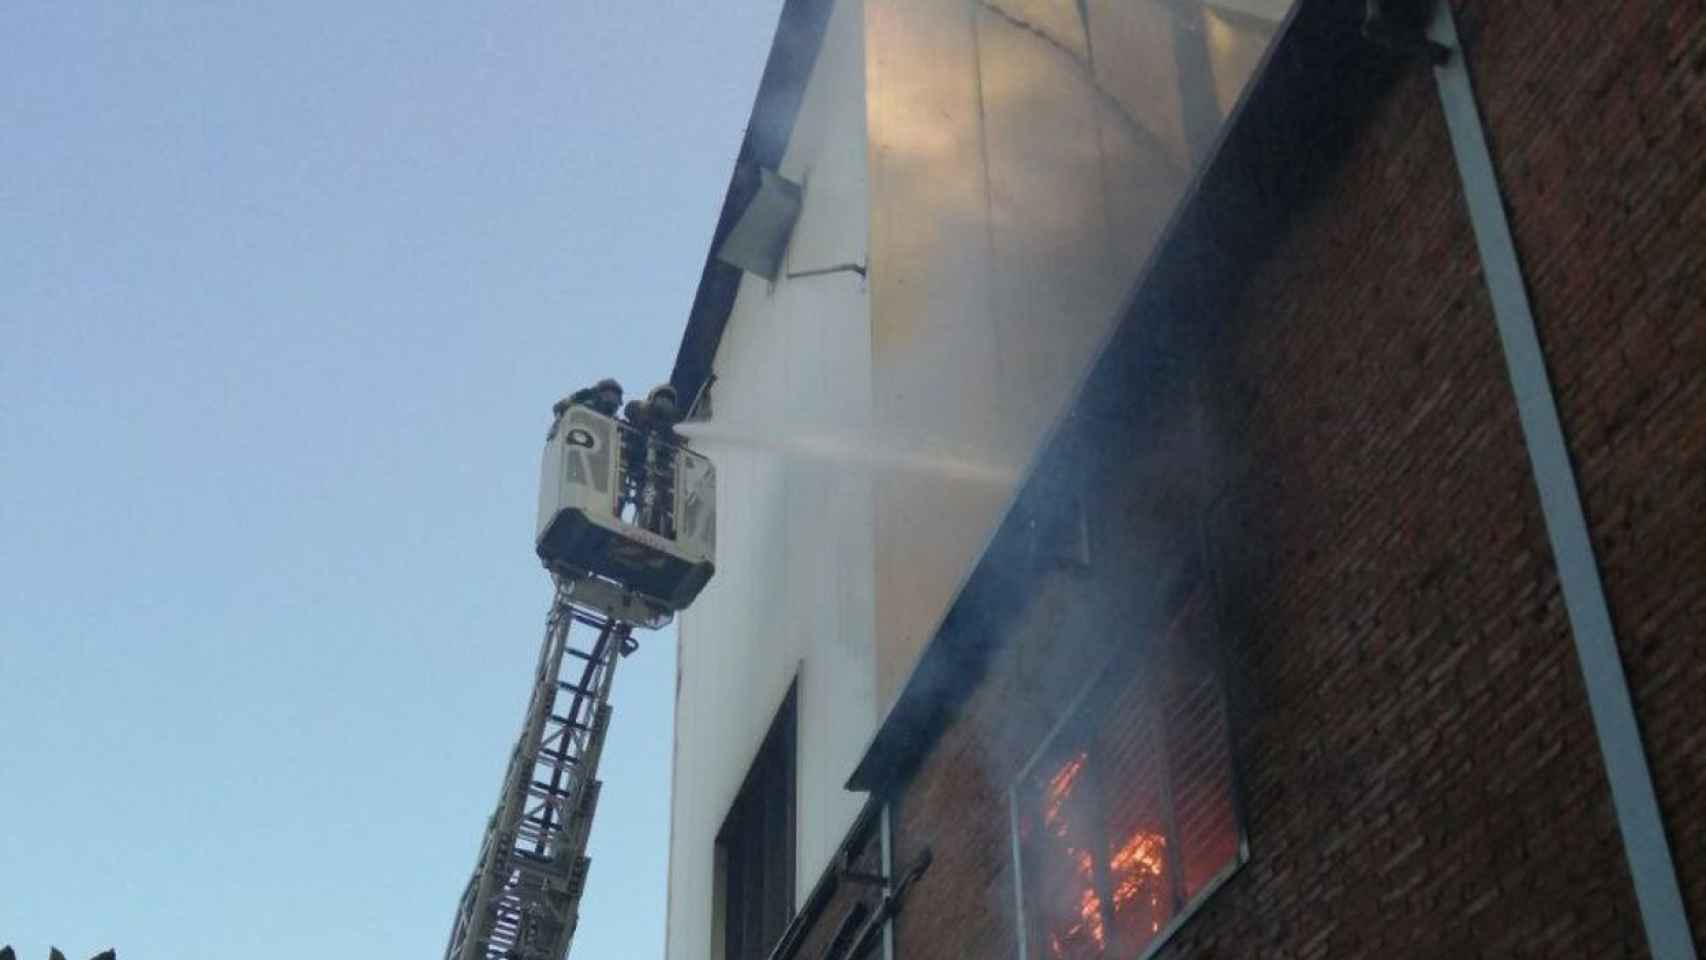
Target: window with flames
{"x":1126,"y":819}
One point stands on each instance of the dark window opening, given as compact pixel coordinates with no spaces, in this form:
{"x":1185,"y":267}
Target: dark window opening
{"x":755,"y":847}
{"x":1127,"y":817}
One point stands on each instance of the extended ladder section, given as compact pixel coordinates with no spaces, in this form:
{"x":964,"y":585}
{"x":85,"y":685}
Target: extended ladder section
{"x":523,"y":901}
{"x":627,"y":529}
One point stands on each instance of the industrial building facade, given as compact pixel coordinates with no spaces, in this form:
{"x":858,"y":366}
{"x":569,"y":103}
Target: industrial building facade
{"x":1137,"y":535}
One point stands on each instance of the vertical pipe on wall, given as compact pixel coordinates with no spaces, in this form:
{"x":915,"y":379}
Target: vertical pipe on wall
{"x":1632,"y":795}
{"x":1023,"y":935}
{"x":887,"y":831}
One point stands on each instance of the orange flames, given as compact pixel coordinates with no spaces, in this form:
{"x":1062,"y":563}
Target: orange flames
{"x":1135,"y":869}
{"x":1090,"y":910}
{"x":1089,"y":925}
{"x":1059,"y":788}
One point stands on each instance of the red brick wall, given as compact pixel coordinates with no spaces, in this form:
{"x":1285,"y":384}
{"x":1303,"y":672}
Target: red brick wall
{"x":1597,"y":115}
{"x":1421,"y":770}
{"x":955,"y":803}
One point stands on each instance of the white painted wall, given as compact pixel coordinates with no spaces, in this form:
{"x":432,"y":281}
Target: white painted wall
{"x":793,"y":594}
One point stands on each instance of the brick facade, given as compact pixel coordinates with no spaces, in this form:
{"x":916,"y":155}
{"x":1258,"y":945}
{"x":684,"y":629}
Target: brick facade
{"x":1420,"y":769}
{"x":1599,"y":127}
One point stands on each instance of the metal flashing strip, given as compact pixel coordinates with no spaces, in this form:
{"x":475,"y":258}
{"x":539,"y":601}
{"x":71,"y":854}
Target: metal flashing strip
{"x":1632,"y":795}
{"x":888,"y":872}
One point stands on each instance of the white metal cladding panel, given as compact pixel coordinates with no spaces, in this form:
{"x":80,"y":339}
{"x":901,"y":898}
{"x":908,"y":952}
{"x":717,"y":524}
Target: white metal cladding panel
{"x":793,"y":593}
{"x":1024,"y":158}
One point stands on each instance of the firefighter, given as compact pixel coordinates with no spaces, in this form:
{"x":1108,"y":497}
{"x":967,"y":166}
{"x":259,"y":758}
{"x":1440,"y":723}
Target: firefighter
{"x":605,"y":396}
{"x":661,"y":442}
{"x":664,"y":410}
{"x":648,"y":453}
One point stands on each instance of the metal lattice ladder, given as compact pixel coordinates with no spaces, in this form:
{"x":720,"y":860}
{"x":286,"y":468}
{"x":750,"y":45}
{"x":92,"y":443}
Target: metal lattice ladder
{"x":523,"y":901}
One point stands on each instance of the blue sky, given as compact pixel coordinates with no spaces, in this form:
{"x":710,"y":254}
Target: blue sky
{"x":286,"y":293}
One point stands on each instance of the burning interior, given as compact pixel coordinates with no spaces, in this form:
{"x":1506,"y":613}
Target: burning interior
{"x":1127,"y":816}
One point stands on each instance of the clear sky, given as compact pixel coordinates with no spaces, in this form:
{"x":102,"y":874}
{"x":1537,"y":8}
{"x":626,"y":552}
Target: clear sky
{"x":286,"y":292}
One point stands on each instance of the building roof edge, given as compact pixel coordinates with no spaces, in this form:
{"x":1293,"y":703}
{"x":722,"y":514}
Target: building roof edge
{"x":793,"y":51}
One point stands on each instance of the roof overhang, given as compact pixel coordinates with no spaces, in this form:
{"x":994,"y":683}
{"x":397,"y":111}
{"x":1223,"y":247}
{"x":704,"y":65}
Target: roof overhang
{"x":799,"y":35}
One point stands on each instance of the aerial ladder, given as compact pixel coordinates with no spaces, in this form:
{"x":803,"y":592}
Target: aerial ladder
{"x":627,"y":531}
